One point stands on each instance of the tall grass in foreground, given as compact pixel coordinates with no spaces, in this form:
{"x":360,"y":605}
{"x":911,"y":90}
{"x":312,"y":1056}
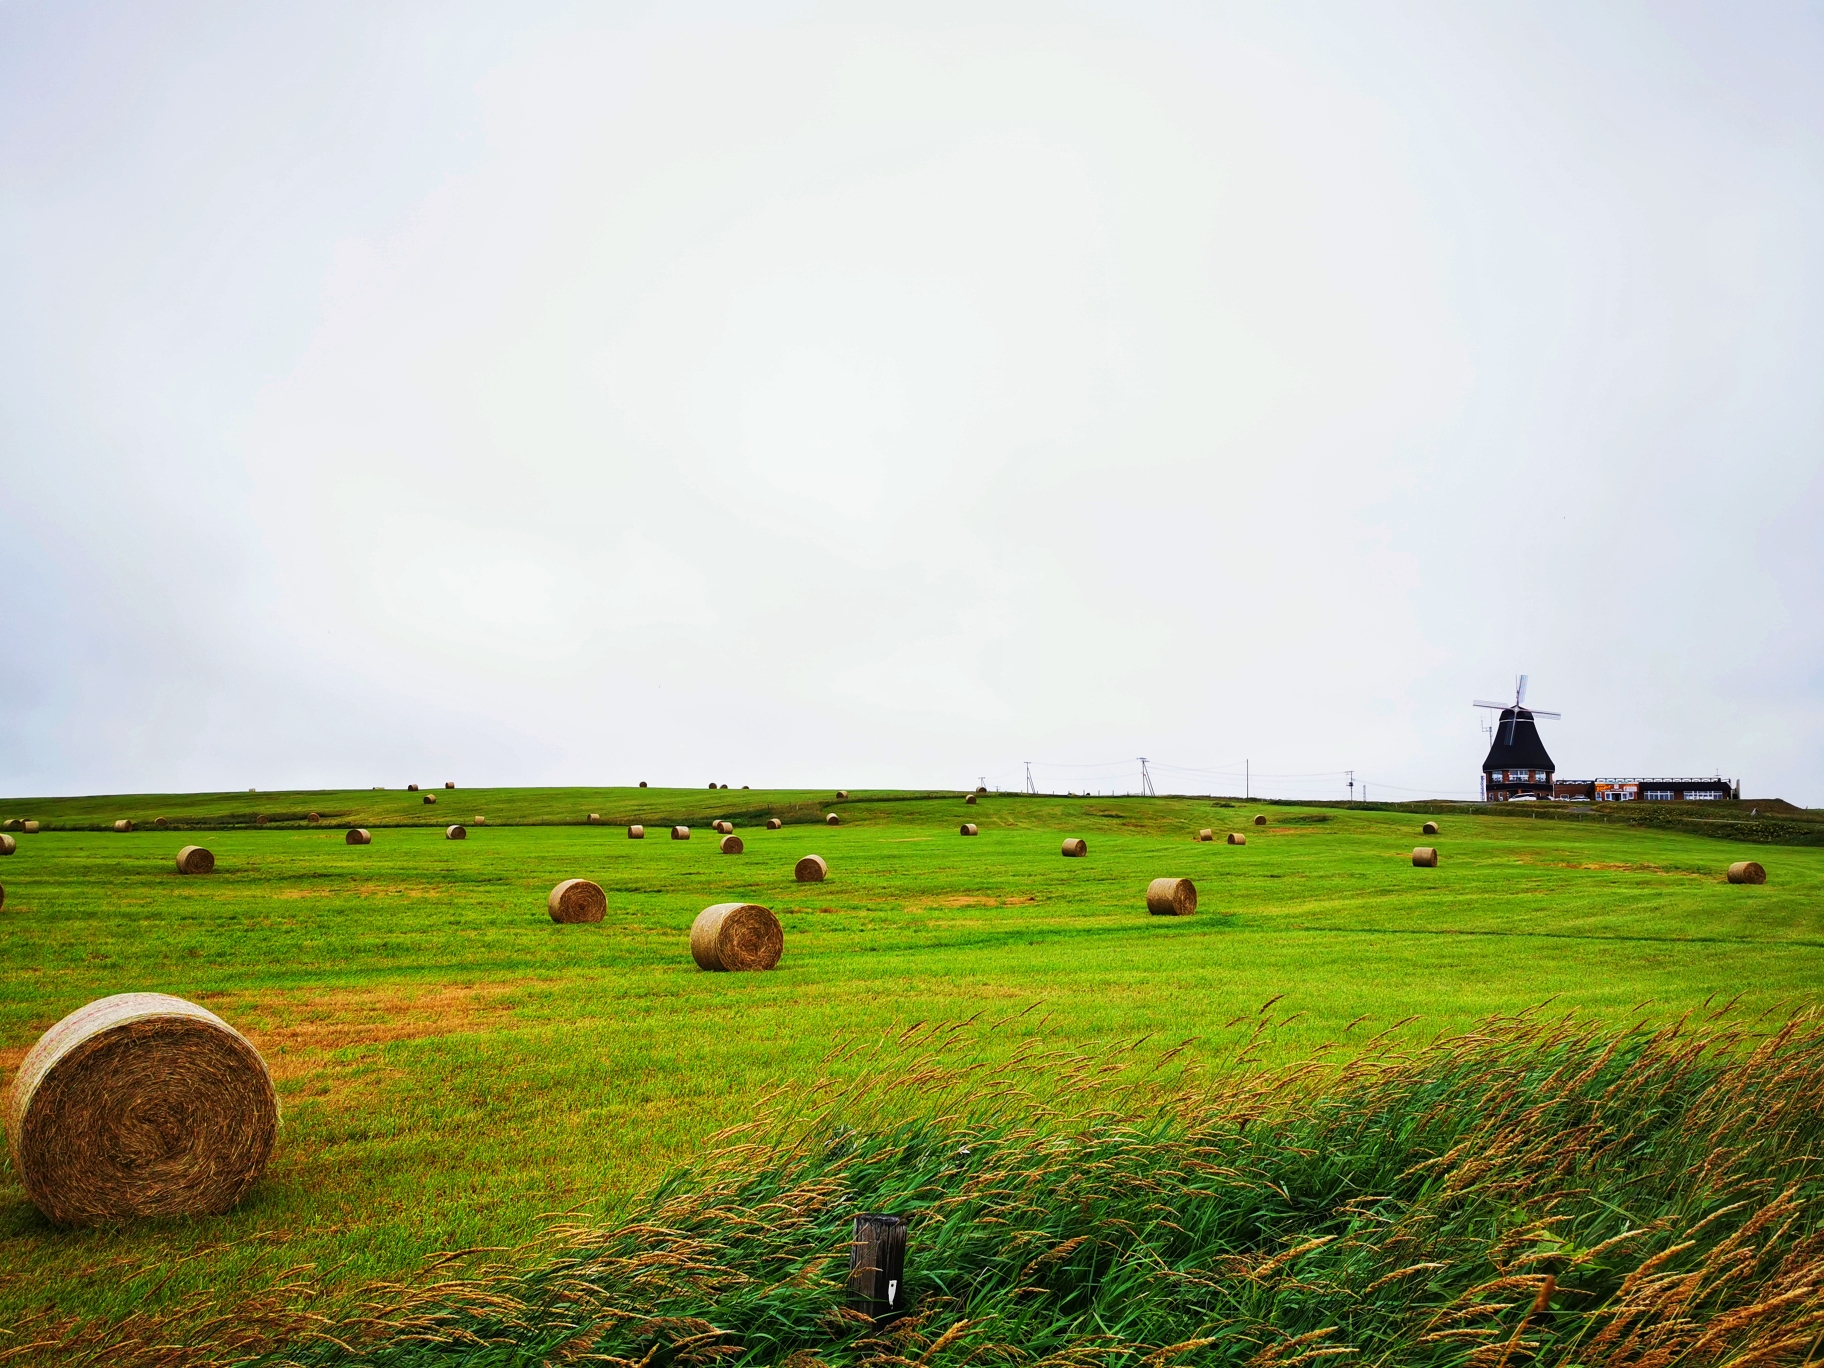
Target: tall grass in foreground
{"x":1537,"y":1192}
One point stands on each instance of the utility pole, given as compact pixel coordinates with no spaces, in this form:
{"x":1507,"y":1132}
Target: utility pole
{"x":1030,"y":786}
{"x":1247,"y":779}
{"x":1146,"y":780}
{"x":1351,"y":785}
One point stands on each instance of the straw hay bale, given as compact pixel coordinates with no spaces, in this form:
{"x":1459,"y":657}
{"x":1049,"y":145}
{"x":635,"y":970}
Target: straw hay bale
{"x":842,"y":793}
{"x":10,"y":824}
{"x":773,"y":824}
{"x":1236,"y":838}
{"x":642,"y":783}
{"x":712,"y":783}
{"x":969,"y":829}
{"x":448,"y":784}
{"x":593,"y":818}
{"x":358,"y":836}
{"x":724,"y":786}
{"x":969,"y":798}
{"x":479,"y":820}
{"x":577,"y":900}
{"x":730,"y":845}
{"x":455,"y":833}
{"x":1429,"y":829}
{"x":411,"y":788}
{"x":1260,"y":819}
{"x":1206,"y":835}
{"x":832,"y":820}
{"x":736,"y":937}
{"x":314,"y":817}
{"x":723,"y":828}
{"x":1747,"y":872}
{"x":7,"y":844}
{"x":195,"y":860}
{"x":160,"y":823}
{"x":680,"y":833}
{"x":1076,"y":847}
{"x":29,"y":827}
{"x":124,"y":824}
{"x":140,"y":1104}
{"x":1171,"y":897}
{"x":430,"y":798}
{"x":636,"y":832}
{"x":811,"y":869}
{"x":1425,"y":857}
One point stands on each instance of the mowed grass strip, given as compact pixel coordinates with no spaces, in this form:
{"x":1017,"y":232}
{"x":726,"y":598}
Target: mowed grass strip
{"x":454,"y":1067}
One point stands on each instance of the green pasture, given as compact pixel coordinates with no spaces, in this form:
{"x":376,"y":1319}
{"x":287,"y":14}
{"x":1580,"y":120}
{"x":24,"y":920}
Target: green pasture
{"x":454,"y":1068}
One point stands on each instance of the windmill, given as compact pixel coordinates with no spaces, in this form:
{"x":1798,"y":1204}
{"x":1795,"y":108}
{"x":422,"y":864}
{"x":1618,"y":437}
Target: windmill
{"x":1517,"y":765}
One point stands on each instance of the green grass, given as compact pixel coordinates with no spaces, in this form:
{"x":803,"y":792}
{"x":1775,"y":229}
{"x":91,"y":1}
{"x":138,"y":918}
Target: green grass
{"x":453,"y":1067}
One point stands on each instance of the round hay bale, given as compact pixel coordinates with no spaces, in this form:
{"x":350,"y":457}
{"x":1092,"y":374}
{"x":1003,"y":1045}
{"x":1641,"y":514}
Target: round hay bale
{"x":832,"y":820}
{"x":315,"y":817}
{"x":1075,"y":847}
{"x":730,"y":845}
{"x":1236,"y":838}
{"x":712,"y":785}
{"x":642,"y":783}
{"x":430,"y":798}
{"x":724,"y":785}
{"x":577,"y":900}
{"x":411,"y":788}
{"x":455,"y":833}
{"x":7,"y":844}
{"x":160,"y":823}
{"x":723,"y":828}
{"x":636,"y":832}
{"x":448,"y":784}
{"x":811,"y":869}
{"x":1260,"y":819}
{"x":969,"y":829}
{"x":969,"y":798}
{"x":593,"y":818}
{"x":736,"y":937}
{"x":1171,"y":897}
{"x":1747,"y":872}
{"x":1429,"y":829}
{"x":1206,"y":835}
{"x":680,"y":833}
{"x":124,"y":824}
{"x":140,"y":1104}
{"x":358,"y":836}
{"x":774,"y":824}
{"x":29,"y":828}
{"x":1425,"y":857}
{"x":10,"y":824}
{"x":195,"y":860}
{"x":479,"y":820}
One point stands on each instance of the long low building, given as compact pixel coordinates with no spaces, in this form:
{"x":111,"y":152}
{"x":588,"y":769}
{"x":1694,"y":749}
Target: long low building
{"x":1645,"y":790}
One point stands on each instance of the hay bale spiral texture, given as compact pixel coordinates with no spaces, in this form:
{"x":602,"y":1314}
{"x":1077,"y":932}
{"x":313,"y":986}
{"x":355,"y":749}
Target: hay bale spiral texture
{"x":1747,"y":872}
{"x":455,"y":833}
{"x":1236,"y":838}
{"x":969,"y":829}
{"x":680,"y":833}
{"x":140,"y":1104}
{"x":1425,"y":857}
{"x":730,"y":845}
{"x":7,"y":844}
{"x":636,"y":832}
{"x":124,"y":824}
{"x":1429,"y":829}
{"x":313,"y":817}
{"x":774,"y":824}
{"x":195,"y":860}
{"x":358,"y":836}
{"x":1075,"y":847}
{"x":577,"y":900}
{"x":736,"y":937}
{"x":1171,"y":897}
{"x":811,"y":869}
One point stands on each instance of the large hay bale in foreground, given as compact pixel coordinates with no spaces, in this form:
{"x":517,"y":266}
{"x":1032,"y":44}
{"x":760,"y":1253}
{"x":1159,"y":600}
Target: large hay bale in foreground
{"x":1747,"y":872}
{"x":1260,"y":819}
{"x":124,"y":824}
{"x":577,"y":900}
{"x":1206,"y":835}
{"x":969,"y":829}
{"x":680,"y":833}
{"x":811,"y":869}
{"x":1075,"y":847}
{"x":1425,"y":857}
{"x":1171,"y":897}
{"x":730,"y":845}
{"x":7,"y":844}
{"x":831,"y":819}
{"x":195,"y":860}
{"x":736,"y":937}
{"x":455,"y":833}
{"x":140,"y":1104}
{"x":1236,"y":838}
{"x":636,"y":832}
{"x":774,"y":824}
{"x":1429,"y":829}
{"x":358,"y":836}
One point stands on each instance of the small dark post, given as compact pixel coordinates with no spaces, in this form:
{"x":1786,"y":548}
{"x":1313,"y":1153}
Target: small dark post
{"x":877,"y":1266}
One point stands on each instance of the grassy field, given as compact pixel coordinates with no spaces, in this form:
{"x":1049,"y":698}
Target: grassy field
{"x":454,"y":1068}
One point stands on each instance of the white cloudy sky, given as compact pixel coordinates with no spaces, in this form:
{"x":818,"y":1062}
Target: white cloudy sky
{"x":876,"y":395}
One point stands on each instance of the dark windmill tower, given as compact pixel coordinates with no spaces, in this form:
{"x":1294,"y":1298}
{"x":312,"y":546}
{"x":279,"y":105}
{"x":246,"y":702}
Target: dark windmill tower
{"x":1517,"y":765}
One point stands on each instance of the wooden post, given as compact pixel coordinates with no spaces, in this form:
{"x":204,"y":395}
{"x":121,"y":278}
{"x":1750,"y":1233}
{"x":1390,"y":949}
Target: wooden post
{"x":877,"y":1266}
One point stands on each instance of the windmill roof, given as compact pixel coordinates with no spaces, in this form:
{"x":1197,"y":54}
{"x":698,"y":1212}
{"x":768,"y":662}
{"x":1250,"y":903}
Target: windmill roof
{"x":1525,"y":751}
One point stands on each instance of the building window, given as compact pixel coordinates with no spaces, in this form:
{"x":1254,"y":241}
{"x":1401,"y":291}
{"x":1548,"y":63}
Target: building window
{"x":1658,"y":795}
{"x":1699,"y":794}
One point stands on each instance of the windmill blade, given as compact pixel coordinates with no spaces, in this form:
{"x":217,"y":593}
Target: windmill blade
{"x":1554,"y":716}
{"x":1510,"y":732}
{"x":1520,"y":693}
{"x":1484,"y":703}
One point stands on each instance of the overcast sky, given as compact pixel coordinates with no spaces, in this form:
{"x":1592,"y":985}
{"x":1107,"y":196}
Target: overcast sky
{"x":872,"y":395}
